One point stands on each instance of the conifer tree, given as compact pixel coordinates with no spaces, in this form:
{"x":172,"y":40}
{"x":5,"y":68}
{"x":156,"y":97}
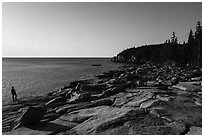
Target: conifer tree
{"x":190,"y":37}
{"x":198,"y":46}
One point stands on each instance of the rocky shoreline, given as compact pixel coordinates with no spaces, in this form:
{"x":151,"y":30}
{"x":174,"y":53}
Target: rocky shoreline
{"x":144,"y":100}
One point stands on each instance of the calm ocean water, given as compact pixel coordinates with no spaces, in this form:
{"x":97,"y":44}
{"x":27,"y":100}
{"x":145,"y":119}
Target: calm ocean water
{"x":38,"y":76}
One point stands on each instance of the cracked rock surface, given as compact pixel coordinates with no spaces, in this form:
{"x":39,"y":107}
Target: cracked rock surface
{"x":144,"y":100}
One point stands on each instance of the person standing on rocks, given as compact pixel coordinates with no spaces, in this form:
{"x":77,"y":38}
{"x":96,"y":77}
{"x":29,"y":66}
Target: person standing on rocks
{"x":13,"y":93}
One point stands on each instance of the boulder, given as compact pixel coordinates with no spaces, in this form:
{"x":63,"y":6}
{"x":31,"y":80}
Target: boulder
{"x":63,"y":125}
{"x":101,"y":102}
{"x":141,"y":82}
{"x":34,"y":101}
{"x":163,"y":98}
{"x":163,"y":87}
{"x":146,"y":125}
{"x":197,"y":83}
{"x":123,"y":80}
{"x":6,"y":122}
{"x":79,"y":97}
{"x":152,"y":83}
{"x":74,"y":118}
{"x":188,"y":86}
{"x":196,"y":79}
{"x":166,"y":82}
{"x":148,"y":103}
{"x":50,"y":116}
{"x":200,"y":93}
{"x":177,"y":127}
{"x":81,"y":115}
{"x":94,"y":88}
{"x":195,"y":131}
{"x":12,"y":107}
{"x":103,"y":118}
{"x":196,"y":73}
{"x":69,"y":94}
{"x":112,"y":91}
{"x":180,"y":87}
{"x":72,"y":107}
{"x":113,"y":81}
{"x":50,"y":128}
{"x":137,"y":100}
{"x":198,"y":102}
{"x":31,"y":115}
{"x":56,"y":100}
{"x":174,"y":80}
{"x":182,"y":109}
{"x":123,"y":99}
{"x":61,"y":92}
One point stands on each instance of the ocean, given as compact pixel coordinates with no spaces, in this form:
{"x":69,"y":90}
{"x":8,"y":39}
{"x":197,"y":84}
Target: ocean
{"x":34,"y":77}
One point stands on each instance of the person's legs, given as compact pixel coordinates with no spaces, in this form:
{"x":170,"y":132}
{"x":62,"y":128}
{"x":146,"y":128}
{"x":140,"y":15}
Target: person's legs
{"x":13,"y":97}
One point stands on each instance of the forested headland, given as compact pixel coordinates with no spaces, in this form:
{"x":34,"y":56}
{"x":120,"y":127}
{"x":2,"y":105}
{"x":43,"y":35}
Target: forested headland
{"x":189,"y":52}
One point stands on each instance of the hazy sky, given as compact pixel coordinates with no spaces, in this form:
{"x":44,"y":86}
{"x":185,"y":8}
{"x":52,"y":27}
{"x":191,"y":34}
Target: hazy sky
{"x":92,"y":29}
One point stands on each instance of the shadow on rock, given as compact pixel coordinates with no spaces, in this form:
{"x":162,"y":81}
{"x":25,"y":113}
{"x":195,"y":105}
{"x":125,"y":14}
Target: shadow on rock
{"x":52,"y":128}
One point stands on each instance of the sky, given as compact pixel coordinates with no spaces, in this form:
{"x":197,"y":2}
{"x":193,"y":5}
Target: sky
{"x":68,"y":29}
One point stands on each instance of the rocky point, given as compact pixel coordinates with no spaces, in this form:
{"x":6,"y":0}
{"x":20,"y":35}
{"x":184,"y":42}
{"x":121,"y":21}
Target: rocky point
{"x":135,"y":100}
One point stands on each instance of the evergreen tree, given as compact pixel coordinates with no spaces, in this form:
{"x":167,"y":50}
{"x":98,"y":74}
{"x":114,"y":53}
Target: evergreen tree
{"x":198,"y":44}
{"x":190,"y":49}
{"x":190,"y":37}
{"x":174,"y":38}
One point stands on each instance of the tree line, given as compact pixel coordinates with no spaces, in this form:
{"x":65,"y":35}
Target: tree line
{"x":189,"y":52}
